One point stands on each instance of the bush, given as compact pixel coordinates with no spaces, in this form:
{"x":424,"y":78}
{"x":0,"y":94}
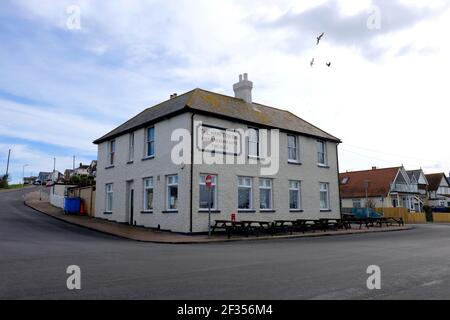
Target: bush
{"x":4,"y":181}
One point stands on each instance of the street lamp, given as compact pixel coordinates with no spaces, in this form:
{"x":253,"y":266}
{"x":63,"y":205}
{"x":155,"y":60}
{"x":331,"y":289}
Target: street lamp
{"x":23,"y":174}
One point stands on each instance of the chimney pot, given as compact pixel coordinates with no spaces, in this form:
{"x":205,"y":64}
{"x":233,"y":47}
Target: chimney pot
{"x":374,"y":168}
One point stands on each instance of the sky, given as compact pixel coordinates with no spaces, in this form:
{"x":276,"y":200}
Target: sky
{"x":70,"y":71}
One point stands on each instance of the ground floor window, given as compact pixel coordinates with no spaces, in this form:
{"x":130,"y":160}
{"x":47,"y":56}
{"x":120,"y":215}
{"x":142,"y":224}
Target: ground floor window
{"x":294,"y":195}
{"x":356,"y":203}
{"x":148,"y":194}
{"x":265,"y":194}
{"x":172,"y":192}
{"x":204,"y":192}
{"x":324,"y":196}
{"x":245,"y":196}
{"x":109,"y":198}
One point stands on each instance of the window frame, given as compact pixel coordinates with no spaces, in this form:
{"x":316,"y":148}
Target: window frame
{"x":250,"y":142}
{"x":296,"y":149}
{"x":109,"y":192}
{"x":168,"y":185}
{"x":131,"y":147}
{"x":145,"y":188}
{"x":149,"y":142}
{"x":250,"y":187}
{"x":264,"y":187}
{"x":327,"y":190}
{"x":324,"y":152}
{"x":111,"y":152}
{"x":215,"y":192}
{"x":299,"y":195}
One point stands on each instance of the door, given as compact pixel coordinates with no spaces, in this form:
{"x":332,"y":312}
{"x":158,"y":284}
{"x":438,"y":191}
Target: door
{"x":131,"y":207}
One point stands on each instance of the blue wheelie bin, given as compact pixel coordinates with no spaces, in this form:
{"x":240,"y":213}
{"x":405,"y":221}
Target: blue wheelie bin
{"x":72,"y":205}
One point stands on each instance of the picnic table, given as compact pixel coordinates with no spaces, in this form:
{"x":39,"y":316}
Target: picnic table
{"x":255,"y":226}
{"x":229,"y":226}
{"x":283,"y":226}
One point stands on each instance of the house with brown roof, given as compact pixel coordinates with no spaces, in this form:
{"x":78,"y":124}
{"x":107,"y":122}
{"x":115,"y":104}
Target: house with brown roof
{"x":165,"y":167}
{"x":438,"y":190}
{"x":381,"y":187}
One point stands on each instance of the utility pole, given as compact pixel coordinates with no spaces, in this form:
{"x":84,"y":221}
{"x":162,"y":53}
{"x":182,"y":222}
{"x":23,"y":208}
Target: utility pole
{"x":7,"y":163}
{"x":73,"y":166}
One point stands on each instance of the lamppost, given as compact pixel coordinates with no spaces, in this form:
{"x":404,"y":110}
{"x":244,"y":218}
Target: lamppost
{"x":23,"y":174}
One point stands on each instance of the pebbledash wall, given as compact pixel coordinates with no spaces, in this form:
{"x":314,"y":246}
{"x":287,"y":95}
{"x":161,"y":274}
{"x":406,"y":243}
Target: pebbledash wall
{"x":189,"y":219}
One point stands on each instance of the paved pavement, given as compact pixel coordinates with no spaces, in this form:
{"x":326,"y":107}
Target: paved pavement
{"x":35,"y":251}
{"x":36,"y":200}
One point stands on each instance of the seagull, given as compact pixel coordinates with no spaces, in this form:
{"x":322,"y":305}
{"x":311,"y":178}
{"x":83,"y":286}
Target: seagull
{"x":328,"y":64}
{"x":319,"y":37}
{"x":312,"y":62}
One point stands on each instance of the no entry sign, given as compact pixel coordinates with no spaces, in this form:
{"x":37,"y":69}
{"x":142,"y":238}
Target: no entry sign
{"x":208,"y":180}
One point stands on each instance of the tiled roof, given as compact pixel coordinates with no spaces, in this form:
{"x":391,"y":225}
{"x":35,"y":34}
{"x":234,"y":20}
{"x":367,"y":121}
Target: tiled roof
{"x":434,"y":180}
{"x":223,"y":106}
{"x":379,"y":182}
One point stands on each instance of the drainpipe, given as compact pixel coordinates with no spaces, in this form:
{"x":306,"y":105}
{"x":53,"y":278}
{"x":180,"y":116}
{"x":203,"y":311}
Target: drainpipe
{"x":192,"y":171}
{"x":339,"y":182}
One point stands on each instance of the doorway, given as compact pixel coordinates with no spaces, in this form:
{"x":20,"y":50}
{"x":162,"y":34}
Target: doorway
{"x":130,"y":203}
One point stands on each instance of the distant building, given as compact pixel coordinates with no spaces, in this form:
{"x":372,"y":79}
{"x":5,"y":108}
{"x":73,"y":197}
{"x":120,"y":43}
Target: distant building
{"x":29,"y":180}
{"x":438,"y":190}
{"x":383,"y":187}
{"x":45,"y":176}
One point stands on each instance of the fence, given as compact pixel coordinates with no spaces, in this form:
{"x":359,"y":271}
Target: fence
{"x":87,"y":195}
{"x":408,"y":217}
{"x":441,"y":217}
{"x":57,"y":200}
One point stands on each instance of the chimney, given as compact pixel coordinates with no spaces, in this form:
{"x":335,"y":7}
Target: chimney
{"x":173,"y":95}
{"x":243,"y":89}
{"x":374,"y":168}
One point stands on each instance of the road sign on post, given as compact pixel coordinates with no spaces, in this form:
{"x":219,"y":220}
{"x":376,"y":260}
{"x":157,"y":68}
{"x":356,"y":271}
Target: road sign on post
{"x":208,"y":182}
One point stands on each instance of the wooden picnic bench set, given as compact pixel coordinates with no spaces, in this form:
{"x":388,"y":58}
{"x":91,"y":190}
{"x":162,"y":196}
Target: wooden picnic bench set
{"x":256,"y":227}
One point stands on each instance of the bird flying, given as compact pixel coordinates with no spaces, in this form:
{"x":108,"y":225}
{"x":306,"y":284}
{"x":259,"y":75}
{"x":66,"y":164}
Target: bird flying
{"x":328,"y":64}
{"x":319,"y":38}
{"x":312,"y":62}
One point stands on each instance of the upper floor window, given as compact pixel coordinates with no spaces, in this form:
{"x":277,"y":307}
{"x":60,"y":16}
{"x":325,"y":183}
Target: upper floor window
{"x":150,"y":142}
{"x":253,"y":142}
{"x":356,"y":203}
{"x":321,"y":152}
{"x":205,"y":196}
{"x":111,"y":151}
{"x":131,"y":148}
{"x":292,"y":148}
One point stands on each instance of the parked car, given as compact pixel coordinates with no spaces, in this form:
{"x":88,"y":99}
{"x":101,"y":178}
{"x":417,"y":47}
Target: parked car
{"x":37,"y":182}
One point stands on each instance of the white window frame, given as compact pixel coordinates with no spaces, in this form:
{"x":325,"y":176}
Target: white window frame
{"x":327,"y":190}
{"x":111,"y":152}
{"x":131,"y":147}
{"x":263,"y":186}
{"x":253,"y":142}
{"x":295,"y":148}
{"x":355,"y":201}
{"x":148,"y":142}
{"x":148,"y":186}
{"x":324,"y":152}
{"x":109,"y":192}
{"x":168,"y":185}
{"x":202,"y":182}
{"x":298,"y":189}
{"x":250,"y":186}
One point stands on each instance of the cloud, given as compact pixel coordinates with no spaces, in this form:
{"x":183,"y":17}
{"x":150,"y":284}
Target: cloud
{"x":351,"y":30}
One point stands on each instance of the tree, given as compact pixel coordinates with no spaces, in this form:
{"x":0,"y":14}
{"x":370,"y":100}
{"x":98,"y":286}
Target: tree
{"x":4,"y":181}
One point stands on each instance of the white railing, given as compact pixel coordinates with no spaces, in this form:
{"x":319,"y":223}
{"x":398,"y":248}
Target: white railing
{"x":399,"y":187}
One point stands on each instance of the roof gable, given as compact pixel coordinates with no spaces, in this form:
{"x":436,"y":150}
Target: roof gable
{"x":434,"y":180}
{"x":379,"y":182}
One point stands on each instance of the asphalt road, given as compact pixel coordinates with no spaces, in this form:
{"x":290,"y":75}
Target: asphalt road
{"x":35,"y":251}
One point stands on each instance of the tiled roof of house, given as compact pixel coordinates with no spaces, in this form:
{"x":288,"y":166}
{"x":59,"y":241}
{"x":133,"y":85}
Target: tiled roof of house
{"x":434,"y":180}
{"x":199,"y":100}
{"x":379,"y":182}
